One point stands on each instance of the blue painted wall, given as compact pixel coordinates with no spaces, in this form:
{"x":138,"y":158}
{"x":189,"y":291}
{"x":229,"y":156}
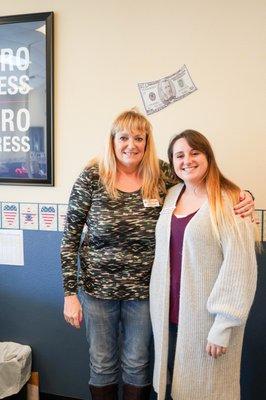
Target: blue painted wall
{"x":31,"y":303}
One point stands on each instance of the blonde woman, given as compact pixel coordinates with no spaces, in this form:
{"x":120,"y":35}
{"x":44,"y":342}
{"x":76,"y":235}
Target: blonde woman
{"x":203,"y":278}
{"x":118,"y":199}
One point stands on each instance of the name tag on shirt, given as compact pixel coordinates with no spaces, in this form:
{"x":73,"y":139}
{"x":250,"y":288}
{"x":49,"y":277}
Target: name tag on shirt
{"x":151,"y":203}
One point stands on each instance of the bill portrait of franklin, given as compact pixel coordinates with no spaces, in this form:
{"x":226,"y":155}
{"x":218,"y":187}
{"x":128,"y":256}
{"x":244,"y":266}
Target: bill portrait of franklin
{"x":166,"y":90}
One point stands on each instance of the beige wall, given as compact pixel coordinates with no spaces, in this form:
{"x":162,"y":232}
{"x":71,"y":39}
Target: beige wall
{"x":103,"y":48}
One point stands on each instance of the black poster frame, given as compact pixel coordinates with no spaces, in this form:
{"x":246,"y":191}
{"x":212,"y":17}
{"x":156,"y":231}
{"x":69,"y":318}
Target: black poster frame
{"x":48,"y":177}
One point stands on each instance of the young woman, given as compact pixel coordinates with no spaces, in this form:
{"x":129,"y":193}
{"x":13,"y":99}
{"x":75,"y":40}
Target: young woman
{"x":203,"y":278}
{"x":118,"y":199}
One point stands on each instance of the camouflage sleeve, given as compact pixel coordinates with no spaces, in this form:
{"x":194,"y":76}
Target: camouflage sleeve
{"x":78,"y":207}
{"x":170,"y":179}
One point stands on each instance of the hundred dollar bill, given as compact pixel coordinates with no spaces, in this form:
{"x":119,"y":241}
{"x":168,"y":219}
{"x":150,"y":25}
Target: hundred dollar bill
{"x":159,"y":94}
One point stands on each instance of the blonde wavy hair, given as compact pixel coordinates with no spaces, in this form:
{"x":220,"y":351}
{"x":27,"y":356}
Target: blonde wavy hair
{"x":149,"y":169}
{"x":217,"y":185}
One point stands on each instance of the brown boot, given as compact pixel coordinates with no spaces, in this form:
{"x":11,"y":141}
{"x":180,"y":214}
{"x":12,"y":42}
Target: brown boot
{"x":109,"y":392}
{"x":132,"y":392}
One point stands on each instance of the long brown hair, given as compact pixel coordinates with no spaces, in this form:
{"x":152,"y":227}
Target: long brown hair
{"x":217,"y":185}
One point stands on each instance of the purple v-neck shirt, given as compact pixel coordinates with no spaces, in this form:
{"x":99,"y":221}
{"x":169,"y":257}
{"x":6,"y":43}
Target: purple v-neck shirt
{"x":178,"y":226}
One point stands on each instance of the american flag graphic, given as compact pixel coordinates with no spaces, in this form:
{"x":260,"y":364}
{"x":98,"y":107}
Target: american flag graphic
{"x":28,"y":217}
{"x":48,"y":215}
{"x":10,"y":212}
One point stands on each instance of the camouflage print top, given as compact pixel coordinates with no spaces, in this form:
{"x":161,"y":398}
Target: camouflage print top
{"x":117,"y":248}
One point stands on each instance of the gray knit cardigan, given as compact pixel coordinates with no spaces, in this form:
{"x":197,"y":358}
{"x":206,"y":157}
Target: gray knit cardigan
{"x":218,"y":283}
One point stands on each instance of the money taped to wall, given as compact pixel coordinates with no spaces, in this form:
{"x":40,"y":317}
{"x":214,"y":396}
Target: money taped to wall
{"x":159,"y":94}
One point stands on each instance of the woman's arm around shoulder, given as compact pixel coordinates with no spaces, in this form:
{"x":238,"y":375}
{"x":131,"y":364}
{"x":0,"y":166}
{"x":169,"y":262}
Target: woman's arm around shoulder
{"x":245,"y":207}
{"x":168,"y":176}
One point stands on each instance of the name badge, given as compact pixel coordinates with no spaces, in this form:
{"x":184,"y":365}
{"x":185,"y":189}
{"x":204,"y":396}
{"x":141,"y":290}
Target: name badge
{"x":151,"y":203}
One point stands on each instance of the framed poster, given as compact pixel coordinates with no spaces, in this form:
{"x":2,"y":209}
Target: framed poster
{"x":26,"y":99}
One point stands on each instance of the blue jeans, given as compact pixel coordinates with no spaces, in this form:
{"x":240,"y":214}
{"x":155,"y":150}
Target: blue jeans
{"x":103,"y":319}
